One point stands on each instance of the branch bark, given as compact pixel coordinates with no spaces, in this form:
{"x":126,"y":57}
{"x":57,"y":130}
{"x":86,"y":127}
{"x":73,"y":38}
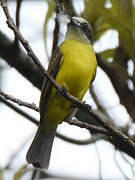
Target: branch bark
{"x":19,"y":102}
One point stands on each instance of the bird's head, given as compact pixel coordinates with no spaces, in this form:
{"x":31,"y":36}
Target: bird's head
{"x":77,"y":28}
{"x":81,"y":27}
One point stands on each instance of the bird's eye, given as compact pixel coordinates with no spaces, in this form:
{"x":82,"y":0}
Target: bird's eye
{"x":85,"y":24}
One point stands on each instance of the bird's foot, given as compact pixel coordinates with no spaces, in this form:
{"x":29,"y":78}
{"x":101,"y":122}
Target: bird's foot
{"x":87,"y":107}
{"x":62,"y":91}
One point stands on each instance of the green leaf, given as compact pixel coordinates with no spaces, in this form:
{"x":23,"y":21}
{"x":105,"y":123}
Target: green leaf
{"x":108,"y":53}
{"x":19,"y":173}
{"x":50,"y":11}
{"x":93,"y":10}
{"x":125,"y":6}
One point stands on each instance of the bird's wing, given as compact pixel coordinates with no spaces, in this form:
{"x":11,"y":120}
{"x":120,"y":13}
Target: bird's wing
{"x":53,"y":68}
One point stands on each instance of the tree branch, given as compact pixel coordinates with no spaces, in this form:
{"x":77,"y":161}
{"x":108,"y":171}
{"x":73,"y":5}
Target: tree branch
{"x":18,"y":6}
{"x":19,"y":111}
{"x":19,"y":102}
{"x":91,"y":128}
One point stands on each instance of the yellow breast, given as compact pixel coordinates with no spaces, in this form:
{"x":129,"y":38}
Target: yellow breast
{"x":75,"y":73}
{"x":79,"y":64}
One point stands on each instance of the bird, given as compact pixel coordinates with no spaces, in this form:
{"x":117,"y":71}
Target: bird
{"x":73,"y":66}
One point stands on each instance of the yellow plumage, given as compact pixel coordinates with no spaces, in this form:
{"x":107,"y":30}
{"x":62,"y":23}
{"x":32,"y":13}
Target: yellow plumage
{"x":76,"y":71}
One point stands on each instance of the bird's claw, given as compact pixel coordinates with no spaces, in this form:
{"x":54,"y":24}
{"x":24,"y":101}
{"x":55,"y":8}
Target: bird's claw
{"x":87,"y":106}
{"x":62,"y":91}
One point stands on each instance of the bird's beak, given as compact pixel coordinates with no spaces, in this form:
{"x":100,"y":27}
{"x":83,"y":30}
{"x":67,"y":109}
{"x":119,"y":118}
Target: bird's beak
{"x":73,"y":21}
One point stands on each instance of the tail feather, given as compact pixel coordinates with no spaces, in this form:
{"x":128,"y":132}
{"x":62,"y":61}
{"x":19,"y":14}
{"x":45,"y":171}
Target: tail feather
{"x":40,"y":150}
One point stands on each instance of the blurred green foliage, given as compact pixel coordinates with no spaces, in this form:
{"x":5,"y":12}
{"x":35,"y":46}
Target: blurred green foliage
{"x":50,"y":11}
{"x":119,"y":16}
{"x":19,"y":173}
{"x":1,"y":174}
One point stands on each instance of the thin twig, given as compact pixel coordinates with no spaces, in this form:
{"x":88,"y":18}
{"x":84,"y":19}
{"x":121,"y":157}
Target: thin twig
{"x":19,"y":102}
{"x":18,"y":7}
{"x":91,"y":128}
{"x":35,"y":174}
{"x":19,"y":111}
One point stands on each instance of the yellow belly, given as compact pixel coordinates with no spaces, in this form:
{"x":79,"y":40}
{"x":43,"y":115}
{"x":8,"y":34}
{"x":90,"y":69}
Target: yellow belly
{"x":75,"y":74}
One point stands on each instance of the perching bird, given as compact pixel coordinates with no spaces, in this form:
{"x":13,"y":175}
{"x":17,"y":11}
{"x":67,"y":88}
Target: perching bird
{"x":73,"y":66}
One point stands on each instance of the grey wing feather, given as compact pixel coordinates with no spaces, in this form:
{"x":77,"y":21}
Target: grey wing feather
{"x":40,"y":149}
{"x":53,"y":68}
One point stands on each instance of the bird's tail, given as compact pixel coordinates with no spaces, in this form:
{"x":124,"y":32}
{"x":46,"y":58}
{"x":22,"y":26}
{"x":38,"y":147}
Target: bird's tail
{"x":40,"y":150}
